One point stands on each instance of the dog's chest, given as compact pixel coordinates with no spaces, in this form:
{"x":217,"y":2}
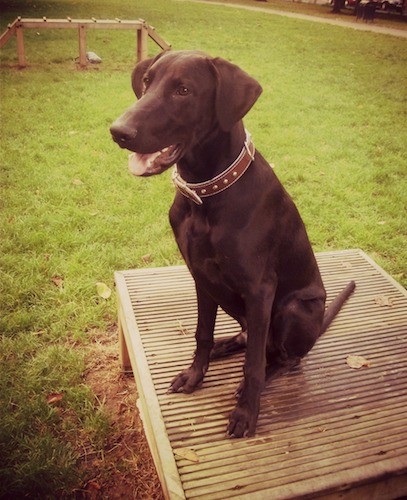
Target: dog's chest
{"x":195,"y":237}
{"x":204,"y":250}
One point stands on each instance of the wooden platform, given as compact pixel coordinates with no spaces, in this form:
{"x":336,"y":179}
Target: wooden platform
{"x":325,"y":430}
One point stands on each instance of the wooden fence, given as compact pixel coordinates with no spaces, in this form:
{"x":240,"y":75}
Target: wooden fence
{"x":143,"y":30}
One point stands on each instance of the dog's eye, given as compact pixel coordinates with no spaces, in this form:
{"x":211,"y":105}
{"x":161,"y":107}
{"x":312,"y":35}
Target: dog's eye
{"x":146,"y":82}
{"x":182,"y":90}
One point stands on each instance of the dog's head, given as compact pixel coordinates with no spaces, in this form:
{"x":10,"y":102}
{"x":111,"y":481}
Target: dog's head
{"x":183,"y":96}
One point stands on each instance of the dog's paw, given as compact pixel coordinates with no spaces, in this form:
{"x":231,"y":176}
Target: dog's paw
{"x":187,"y":381}
{"x":242,"y":423}
{"x":227,"y":347}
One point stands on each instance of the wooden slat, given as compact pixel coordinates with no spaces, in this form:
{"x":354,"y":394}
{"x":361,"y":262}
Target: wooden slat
{"x":324,"y":429}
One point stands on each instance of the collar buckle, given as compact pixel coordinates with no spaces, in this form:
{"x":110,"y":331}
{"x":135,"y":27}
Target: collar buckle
{"x":247,"y":143}
{"x":184,"y":189}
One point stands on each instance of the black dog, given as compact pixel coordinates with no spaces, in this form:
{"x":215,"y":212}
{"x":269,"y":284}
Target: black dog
{"x":237,"y":228}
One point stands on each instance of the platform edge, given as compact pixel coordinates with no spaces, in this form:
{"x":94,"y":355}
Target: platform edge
{"x":150,"y":409}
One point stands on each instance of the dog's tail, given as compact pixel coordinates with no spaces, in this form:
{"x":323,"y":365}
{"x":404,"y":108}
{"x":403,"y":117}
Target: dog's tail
{"x":336,"y":305}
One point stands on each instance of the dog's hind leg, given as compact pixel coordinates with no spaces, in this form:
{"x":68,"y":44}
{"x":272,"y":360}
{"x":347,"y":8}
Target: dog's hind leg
{"x":229,"y":346}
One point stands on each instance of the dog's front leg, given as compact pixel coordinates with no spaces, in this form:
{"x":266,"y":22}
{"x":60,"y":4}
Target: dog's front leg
{"x":191,"y":378}
{"x":243,"y":418}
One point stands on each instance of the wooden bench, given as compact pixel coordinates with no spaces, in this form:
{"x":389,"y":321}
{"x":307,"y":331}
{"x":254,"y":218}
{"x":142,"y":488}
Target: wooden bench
{"x":325,"y":429}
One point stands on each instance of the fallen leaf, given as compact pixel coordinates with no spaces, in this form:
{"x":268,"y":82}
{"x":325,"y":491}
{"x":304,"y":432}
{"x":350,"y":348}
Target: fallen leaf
{"x":77,"y":182}
{"x":146,"y":258}
{"x":122,"y":407}
{"x":93,"y":485}
{"x":383,"y":301}
{"x":103,"y":290}
{"x":58,"y":281}
{"x":54,"y":397}
{"x":39,"y":332}
{"x":182,"y":329}
{"x":357,"y":362}
{"x":187,"y":453}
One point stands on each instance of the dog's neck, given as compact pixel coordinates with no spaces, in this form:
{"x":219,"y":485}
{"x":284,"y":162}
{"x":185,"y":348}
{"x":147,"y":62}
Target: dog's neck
{"x":195,"y":191}
{"x":213,"y":155}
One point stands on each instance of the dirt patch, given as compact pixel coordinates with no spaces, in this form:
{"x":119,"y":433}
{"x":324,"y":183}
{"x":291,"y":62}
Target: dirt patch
{"x":125,"y":469}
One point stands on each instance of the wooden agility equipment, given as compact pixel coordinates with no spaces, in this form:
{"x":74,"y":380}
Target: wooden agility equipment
{"x":326,"y":429}
{"x":144,"y":31}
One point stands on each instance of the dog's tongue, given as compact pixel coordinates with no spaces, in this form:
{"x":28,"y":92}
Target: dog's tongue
{"x":152,"y":163}
{"x":140,"y":164}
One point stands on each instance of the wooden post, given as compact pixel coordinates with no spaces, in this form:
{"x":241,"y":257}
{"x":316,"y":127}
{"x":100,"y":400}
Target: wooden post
{"x":20,"y":47}
{"x":82,"y":45}
{"x":124,"y":357}
{"x":142,"y":39}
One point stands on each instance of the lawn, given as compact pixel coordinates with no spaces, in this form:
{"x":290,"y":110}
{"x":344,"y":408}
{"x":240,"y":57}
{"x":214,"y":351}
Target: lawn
{"x":331,"y":119}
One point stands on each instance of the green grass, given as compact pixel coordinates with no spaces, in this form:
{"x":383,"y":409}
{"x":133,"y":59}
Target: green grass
{"x":331,"y":118}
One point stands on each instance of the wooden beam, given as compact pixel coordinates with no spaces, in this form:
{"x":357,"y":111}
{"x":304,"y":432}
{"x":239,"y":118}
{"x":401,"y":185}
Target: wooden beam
{"x":9,"y":33}
{"x":124,"y":357}
{"x":22,"y":62}
{"x":157,"y":39}
{"x":82,"y":45}
{"x":142,"y":39}
{"x":90,"y":23}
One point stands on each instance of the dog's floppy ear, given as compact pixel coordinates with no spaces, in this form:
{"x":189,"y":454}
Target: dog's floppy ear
{"x":138,"y":73}
{"x":235,"y":94}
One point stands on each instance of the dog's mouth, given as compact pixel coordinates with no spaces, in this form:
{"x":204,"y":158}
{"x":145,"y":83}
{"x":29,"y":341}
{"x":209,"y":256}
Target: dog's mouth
{"x":154,"y":163}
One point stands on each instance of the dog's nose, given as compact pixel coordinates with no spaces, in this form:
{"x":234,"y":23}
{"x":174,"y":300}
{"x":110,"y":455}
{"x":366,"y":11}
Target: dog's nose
{"x":122,"y":134}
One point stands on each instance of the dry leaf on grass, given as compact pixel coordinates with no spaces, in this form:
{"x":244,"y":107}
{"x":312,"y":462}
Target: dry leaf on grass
{"x":357,"y":362}
{"x":58,"y":281}
{"x":103,"y":290}
{"x":187,"y":453}
{"x":54,"y":397}
{"x":92,"y":485}
{"x":147,"y":258}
